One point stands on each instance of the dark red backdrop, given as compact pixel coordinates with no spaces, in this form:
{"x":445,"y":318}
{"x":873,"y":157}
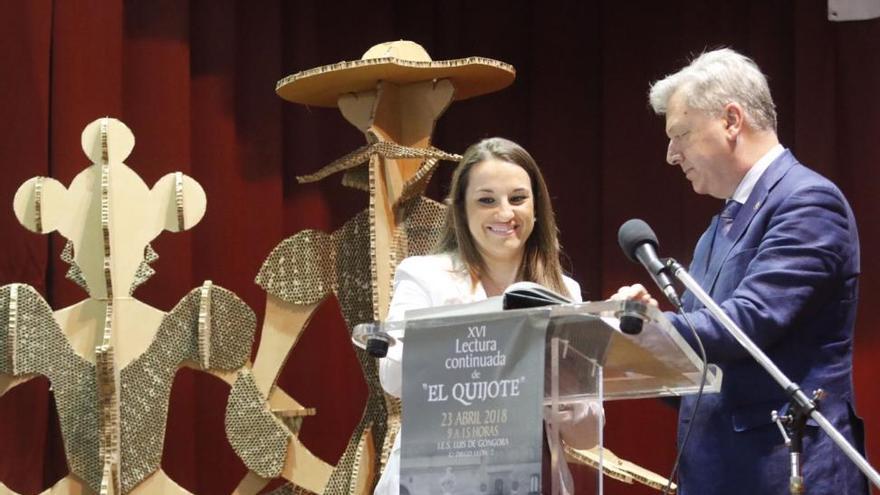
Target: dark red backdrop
{"x":194,"y":81}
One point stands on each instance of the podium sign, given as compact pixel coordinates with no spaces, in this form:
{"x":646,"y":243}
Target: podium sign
{"x":473,"y":391}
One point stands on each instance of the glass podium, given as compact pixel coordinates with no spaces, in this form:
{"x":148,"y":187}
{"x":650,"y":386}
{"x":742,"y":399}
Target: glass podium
{"x":587,"y":360}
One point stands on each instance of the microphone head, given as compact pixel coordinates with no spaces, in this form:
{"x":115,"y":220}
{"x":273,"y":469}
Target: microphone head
{"x":632,"y":234}
{"x":631,"y":325}
{"x":377,"y":346}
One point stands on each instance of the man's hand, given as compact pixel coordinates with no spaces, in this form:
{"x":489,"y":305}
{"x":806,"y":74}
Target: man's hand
{"x":635,"y":292}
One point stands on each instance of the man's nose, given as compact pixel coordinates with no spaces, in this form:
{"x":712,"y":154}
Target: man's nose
{"x":673,"y":157}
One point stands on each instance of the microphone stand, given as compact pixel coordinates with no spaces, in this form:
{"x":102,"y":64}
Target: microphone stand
{"x":801,"y":405}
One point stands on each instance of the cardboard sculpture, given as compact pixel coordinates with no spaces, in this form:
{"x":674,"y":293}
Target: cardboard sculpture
{"x":394,"y":95}
{"x":110,"y":358}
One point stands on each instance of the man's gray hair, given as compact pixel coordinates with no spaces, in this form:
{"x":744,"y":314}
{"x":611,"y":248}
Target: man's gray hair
{"x":715,"y":79}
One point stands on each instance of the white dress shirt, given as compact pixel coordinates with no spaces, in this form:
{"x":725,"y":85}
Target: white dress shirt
{"x":744,"y":189}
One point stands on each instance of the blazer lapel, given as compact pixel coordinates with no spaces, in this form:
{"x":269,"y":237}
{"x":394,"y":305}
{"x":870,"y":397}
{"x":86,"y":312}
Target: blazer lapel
{"x":723,"y":245}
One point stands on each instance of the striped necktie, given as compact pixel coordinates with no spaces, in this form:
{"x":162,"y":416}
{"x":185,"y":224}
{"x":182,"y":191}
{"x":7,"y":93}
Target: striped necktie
{"x":728,"y":215}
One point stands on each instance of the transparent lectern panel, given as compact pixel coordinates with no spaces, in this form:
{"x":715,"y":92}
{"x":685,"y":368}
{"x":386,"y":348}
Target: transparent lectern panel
{"x":573,"y":424}
{"x":654,"y":362}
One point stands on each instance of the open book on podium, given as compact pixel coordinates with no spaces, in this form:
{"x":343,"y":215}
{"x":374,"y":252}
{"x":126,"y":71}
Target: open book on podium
{"x":587,"y":360}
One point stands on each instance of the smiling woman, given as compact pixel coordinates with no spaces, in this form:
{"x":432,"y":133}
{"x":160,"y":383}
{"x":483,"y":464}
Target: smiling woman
{"x":499,"y":229}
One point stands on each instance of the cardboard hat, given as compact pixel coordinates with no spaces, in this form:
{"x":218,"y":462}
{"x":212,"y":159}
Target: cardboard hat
{"x":400,"y":62}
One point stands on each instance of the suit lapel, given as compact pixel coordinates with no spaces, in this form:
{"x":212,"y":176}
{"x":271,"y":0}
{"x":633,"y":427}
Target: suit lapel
{"x":700,"y":263}
{"x":723,"y":245}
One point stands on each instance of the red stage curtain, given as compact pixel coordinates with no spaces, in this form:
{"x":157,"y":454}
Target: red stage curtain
{"x":195,"y":82}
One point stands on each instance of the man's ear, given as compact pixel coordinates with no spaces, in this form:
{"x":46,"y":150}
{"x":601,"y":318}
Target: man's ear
{"x":734,"y":119}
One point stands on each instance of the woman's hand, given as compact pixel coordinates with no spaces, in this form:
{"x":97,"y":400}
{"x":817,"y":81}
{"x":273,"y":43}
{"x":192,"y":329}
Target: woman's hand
{"x":578,"y":422}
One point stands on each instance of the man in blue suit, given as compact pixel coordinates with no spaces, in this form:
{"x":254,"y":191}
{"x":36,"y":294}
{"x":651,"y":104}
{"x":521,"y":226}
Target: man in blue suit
{"x":782,"y":260}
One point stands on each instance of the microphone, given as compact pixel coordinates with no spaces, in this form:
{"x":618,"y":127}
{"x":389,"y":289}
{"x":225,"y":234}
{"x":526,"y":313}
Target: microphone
{"x":377,"y":345}
{"x":373,"y":337}
{"x":639,"y":244}
{"x":632,"y":317}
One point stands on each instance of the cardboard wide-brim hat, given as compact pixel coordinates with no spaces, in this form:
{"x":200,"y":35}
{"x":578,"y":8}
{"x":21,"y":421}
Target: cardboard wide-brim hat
{"x":399,"y":62}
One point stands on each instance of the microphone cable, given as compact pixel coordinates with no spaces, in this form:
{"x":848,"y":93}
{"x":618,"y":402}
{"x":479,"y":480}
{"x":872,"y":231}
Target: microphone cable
{"x":687,"y":432}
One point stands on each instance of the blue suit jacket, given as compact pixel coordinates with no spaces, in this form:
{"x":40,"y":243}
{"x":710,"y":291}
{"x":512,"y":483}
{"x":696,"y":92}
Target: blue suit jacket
{"x":787,"y":274}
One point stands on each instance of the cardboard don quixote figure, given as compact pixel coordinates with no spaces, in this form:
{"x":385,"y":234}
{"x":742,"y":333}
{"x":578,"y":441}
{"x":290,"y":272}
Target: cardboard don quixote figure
{"x":394,"y":94}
